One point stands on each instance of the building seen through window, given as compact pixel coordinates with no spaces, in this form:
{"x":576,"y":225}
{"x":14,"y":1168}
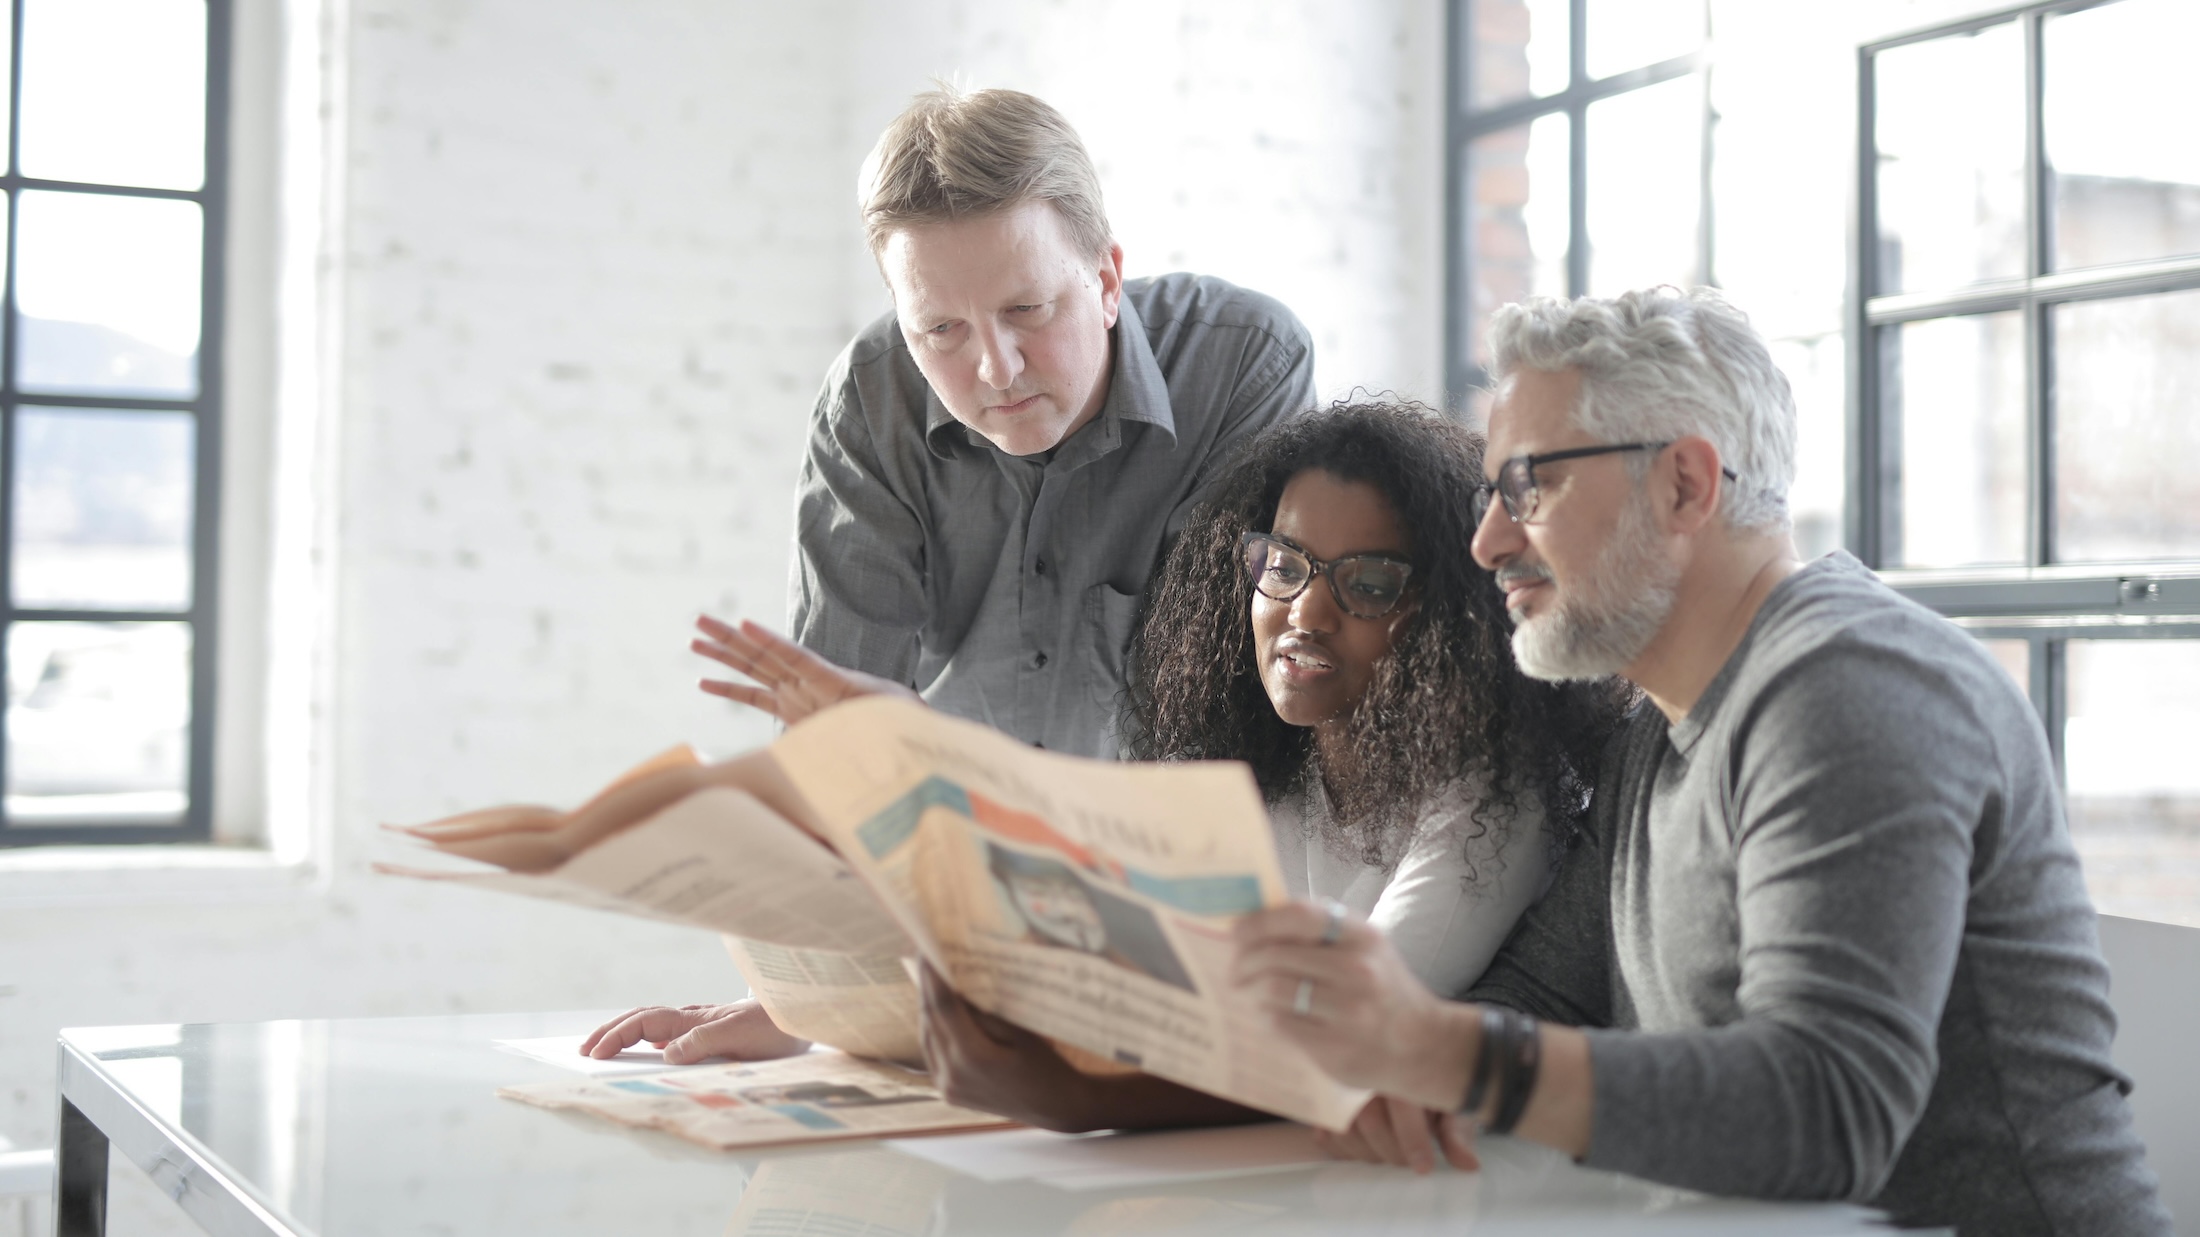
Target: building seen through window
{"x":1585,"y":159}
{"x":2030,"y":338}
{"x":108,"y":478}
{"x":1580,"y":137}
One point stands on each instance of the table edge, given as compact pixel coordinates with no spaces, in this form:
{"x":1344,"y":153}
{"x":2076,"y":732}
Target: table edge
{"x":199,"y":1181}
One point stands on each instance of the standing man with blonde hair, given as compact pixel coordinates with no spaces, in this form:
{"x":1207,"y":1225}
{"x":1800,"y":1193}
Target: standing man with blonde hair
{"x":995,"y":466}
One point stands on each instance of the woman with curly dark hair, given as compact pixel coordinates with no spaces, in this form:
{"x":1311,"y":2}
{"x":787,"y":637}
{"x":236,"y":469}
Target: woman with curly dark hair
{"x":1412,"y":771}
{"x":1323,"y":620}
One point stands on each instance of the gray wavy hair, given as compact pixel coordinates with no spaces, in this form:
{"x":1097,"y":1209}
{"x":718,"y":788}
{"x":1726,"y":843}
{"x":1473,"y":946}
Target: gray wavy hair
{"x":1660,"y":363}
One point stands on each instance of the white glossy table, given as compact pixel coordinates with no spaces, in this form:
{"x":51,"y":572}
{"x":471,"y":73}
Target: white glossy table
{"x":386,"y":1126}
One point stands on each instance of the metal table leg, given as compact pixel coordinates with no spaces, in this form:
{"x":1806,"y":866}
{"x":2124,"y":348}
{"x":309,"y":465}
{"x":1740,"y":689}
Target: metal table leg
{"x":80,"y":1177}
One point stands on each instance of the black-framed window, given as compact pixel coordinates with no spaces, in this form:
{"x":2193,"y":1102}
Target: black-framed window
{"x":110,"y":425}
{"x":2026,"y":396}
{"x":1578,"y":157}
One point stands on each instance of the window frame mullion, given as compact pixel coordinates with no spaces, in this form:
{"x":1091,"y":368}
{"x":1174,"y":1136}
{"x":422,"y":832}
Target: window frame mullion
{"x":204,"y":406}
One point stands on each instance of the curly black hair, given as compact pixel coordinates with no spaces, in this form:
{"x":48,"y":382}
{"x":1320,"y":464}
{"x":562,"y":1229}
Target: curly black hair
{"x":1447,"y":702}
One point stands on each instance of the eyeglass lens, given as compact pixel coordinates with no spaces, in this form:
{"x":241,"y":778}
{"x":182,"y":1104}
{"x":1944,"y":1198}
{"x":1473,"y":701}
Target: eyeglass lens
{"x":1366,"y":586}
{"x":1515,"y":486}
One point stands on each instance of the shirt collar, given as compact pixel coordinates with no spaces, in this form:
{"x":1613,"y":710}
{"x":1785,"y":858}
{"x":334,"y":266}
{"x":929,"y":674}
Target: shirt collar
{"x":1136,"y":392}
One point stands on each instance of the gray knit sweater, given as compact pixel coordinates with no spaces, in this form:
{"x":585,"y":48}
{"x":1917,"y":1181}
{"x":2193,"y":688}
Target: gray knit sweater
{"x":1835,"y":929}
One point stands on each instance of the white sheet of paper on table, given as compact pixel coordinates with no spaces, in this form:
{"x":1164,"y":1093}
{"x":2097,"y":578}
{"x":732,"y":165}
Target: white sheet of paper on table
{"x":564,"y":1051}
{"x":1110,"y":1161}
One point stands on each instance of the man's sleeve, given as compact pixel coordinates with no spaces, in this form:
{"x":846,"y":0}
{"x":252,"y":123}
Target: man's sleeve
{"x":1858,"y":781}
{"x":857,"y":593}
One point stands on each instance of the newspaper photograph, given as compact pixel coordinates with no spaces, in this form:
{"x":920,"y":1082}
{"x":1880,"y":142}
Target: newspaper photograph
{"x":1088,"y":901}
{"x":815,"y":1097}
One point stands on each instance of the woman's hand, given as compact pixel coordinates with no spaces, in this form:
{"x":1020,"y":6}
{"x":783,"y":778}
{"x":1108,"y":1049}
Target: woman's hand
{"x":979,"y":1061}
{"x":691,"y":1033}
{"x":1354,"y":1006}
{"x":1394,"y":1131}
{"x":791,"y":681}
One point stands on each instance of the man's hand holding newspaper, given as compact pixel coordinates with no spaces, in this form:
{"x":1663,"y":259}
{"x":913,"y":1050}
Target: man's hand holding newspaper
{"x":1089,"y":902}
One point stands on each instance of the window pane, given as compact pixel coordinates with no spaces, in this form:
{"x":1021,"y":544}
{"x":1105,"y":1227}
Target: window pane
{"x":7,"y":66}
{"x":7,"y":207}
{"x":2125,"y":189}
{"x":98,"y":720}
{"x":1628,"y":34}
{"x":1517,"y":219}
{"x":1520,"y":49}
{"x":108,"y":295}
{"x":114,"y":91}
{"x":2134,"y":706}
{"x":2127,"y":428}
{"x":1950,"y":136}
{"x":2014,"y":656}
{"x":1817,"y":373}
{"x":1955,"y":390}
{"x":1645,"y":186}
{"x":103,"y":509}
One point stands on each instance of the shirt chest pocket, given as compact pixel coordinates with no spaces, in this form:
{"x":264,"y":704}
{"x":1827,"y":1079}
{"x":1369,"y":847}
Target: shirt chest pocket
{"x":1110,"y":615}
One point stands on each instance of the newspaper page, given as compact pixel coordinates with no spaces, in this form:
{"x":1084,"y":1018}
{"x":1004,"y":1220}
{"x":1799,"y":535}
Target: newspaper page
{"x":859,"y":1003}
{"x":816,"y":1097}
{"x":715,"y":859}
{"x":823,"y":957}
{"x":1089,"y":901}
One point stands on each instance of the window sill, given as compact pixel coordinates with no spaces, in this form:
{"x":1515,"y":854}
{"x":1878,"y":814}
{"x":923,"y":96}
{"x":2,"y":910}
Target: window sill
{"x":92,"y":875}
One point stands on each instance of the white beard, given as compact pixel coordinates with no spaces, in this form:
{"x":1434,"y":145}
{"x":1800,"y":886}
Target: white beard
{"x":1613,"y":616}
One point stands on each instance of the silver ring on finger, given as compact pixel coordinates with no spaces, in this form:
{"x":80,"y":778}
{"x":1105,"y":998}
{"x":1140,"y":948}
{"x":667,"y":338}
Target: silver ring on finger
{"x":1302,"y":1001}
{"x":1333,"y":929}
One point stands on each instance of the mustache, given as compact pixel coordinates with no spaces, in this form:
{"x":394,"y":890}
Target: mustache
{"x":1521,"y":571}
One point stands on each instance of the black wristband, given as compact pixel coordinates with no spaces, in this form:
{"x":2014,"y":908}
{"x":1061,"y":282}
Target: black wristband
{"x":1484,"y":1057}
{"x":1520,"y":1066}
{"x":1504,"y":1034}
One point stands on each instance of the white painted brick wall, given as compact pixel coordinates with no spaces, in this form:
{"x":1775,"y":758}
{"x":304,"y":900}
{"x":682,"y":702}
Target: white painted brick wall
{"x":1291,"y":147}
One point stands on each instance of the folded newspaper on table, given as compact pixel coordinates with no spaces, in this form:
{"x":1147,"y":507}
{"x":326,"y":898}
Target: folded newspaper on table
{"x":1089,"y":901}
{"x":815,"y":1097}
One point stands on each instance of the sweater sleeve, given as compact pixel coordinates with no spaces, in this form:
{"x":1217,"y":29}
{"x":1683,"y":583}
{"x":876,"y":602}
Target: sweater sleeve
{"x":1855,"y":784}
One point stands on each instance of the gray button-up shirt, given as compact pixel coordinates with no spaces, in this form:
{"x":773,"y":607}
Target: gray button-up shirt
{"x":1004,"y":588}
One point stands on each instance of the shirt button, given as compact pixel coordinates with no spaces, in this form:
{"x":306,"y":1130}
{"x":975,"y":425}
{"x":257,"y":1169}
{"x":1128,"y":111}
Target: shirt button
{"x":1040,"y":661}
{"x":1040,"y":567}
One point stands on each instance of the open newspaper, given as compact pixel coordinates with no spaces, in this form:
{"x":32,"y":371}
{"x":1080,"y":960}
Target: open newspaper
{"x":1089,"y":901}
{"x":815,"y":1097}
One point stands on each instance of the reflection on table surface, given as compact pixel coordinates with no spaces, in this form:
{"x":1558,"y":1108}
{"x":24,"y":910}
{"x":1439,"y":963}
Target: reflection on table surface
{"x":372,"y":1126}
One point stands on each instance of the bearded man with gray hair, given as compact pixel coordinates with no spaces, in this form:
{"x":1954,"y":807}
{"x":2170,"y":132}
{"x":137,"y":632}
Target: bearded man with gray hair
{"x":1828,"y":937}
